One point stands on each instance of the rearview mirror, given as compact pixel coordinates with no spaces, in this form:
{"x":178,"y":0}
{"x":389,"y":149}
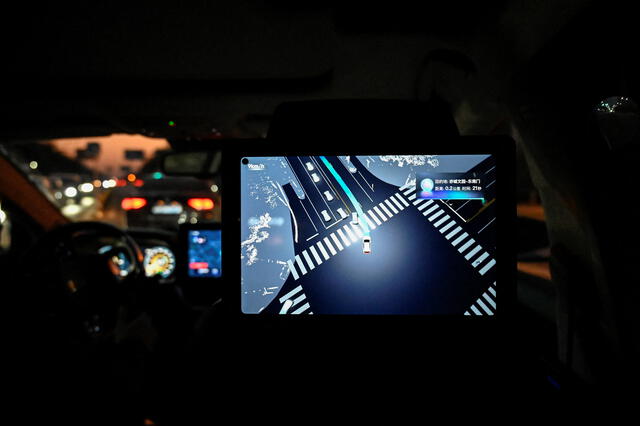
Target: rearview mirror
{"x":199,"y":163}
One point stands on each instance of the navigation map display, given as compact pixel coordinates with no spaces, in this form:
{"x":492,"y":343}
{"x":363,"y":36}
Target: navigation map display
{"x":205,"y":253}
{"x":369,"y":235}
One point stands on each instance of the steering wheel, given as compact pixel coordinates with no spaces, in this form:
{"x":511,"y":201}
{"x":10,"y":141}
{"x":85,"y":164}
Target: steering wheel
{"x":81,"y":282}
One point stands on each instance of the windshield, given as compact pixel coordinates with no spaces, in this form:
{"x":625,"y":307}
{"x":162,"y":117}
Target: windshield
{"x":115,"y":179}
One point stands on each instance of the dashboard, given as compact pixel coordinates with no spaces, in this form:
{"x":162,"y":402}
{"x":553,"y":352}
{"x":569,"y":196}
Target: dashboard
{"x":161,"y":253}
{"x":190,"y":258}
{"x":159,"y":261}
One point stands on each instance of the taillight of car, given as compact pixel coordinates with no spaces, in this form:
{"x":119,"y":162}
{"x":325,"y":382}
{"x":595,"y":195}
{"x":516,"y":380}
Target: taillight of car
{"x":200,"y":203}
{"x":133,"y":203}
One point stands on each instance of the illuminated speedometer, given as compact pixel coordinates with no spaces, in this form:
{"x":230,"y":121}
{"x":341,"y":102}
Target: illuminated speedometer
{"x":159,"y":261}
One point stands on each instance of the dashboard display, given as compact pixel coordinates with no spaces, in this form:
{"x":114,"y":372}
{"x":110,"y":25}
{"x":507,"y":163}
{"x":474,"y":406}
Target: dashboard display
{"x":205,"y":253}
{"x":370,"y":235}
{"x":159,"y":261}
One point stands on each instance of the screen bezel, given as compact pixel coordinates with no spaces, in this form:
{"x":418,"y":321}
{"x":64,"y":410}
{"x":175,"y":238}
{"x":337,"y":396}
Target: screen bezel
{"x":502,"y":147}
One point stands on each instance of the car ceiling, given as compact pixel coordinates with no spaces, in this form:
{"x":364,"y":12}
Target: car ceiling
{"x":221,"y":68}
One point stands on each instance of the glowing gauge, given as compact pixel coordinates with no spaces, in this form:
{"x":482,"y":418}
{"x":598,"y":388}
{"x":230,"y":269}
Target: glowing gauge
{"x":159,"y":261}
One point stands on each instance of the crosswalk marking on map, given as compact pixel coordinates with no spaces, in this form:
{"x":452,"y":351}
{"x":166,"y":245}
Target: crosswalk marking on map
{"x":459,"y":239}
{"x":308,"y":259}
{"x":488,"y":266}
{"x":385,"y":210}
{"x":344,"y":239}
{"x":425,"y":205}
{"x":337,"y":242}
{"x":347,"y":229}
{"x":431,"y":209}
{"x":466,"y":245}
{"x":299,"y":299}
{"x":301,"y":265}
{"x":391,"y":206}
{"x":301,"y":309}
{"x":329,"y":246}
{"x":436,"y":215}
{"x":322,"y":250}
{"x":291,"y":294}
{"x":382,"y":216}
{"x":485,"y":304}
{"x":435,"y":212}
{"x":315,"y":255}
{"x":292,"y":269}
{"x":374,"y":217}
{"x":489,"y":300}
{"x":357,"y":230}
{"x":369,"y":222}
{"x":453,"y":233}
{"x":480,"y":259}
{"x":446,"y":227}
{"x":400,"y":206}
{"x":441,"y":221}
{"x":402,"y":200}
{"x":473,"y":252}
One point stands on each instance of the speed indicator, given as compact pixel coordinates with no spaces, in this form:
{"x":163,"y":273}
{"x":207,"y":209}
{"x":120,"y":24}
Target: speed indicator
{"x":159,"y":261}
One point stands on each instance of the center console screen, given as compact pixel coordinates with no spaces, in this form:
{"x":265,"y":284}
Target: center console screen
{"x":204,"y":253}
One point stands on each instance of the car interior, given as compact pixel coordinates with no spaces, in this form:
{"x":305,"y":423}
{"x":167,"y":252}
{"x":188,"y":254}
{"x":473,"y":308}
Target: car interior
{"x":421,"y":198}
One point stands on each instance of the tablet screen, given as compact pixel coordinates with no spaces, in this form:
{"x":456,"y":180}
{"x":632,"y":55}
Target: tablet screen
{"x":369,"y":235}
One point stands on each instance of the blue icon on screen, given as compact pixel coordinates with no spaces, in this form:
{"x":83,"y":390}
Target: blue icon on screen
{"x":427,"y":185}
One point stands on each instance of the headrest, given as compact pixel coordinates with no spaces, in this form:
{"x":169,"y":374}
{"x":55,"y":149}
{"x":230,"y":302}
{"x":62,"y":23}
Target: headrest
{"x":375,"y":119}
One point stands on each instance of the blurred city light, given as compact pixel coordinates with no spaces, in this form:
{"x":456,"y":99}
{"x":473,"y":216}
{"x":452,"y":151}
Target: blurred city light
{"x":200,"y":203}
{"x":71,"y":209}
{"x":87,"y":201}
{"x":86,"y":187}
{"x":109,"y":183}
{"x":133,"y":203}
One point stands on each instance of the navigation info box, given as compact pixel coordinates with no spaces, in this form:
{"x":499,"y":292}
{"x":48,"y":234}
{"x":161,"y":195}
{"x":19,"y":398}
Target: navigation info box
{"x":449,"y":186}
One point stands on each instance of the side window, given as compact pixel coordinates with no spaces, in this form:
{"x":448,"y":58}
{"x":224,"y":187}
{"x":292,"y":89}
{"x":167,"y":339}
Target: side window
{"x":5,"y":230}
{"x":18,"y":232}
